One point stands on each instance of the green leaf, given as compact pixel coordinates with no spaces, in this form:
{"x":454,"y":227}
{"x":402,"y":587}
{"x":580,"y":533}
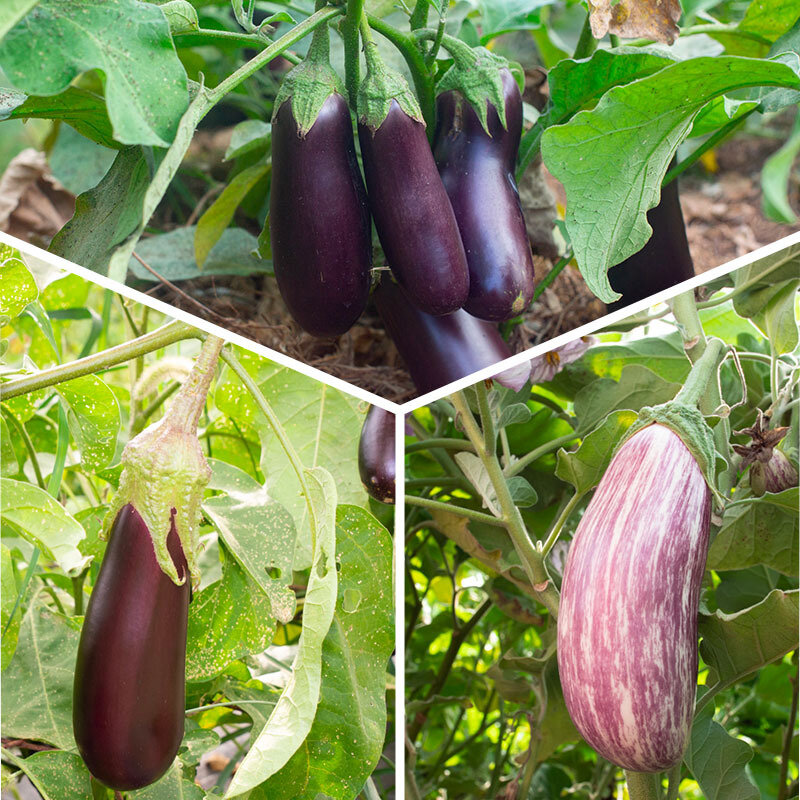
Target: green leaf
{"x":85,"y":111}
{"x":514,"y":414}
{"x":8,"y":456}
{"x":293,"y":715}
{"x":663,"y":355}
{"x":346,"y":740}
{"x":758,"y":532}
{"x":12,"y":12}
{"x":30,"y":512}
{"x":117,"y":201}
{"x":775,"y":178}
{"x":734,"y":645}
{"x":181,"y":16}
{"x":219,"y":214}
{"x":77,"y":162}
{"x":94,"y":419}
{"x":717,"y":761}
{"x":584,"y":467}
{"x":769,"y":18}
{"x":9,"y":600}
{"x":720,"y":111}
{"x":172,"y":786}
{"x":129,"y":42}
{"x":611,"y":159}
{"x":37,"y":686}
{"x":522,"y":493}
{"x":323,"y":424}
{"x":252,"y":134}
{"x":56,"y":774}
{"x":17,"y":286}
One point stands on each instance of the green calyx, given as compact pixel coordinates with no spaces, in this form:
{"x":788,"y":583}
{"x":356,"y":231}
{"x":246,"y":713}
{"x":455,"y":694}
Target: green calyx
{"x":380,"y":87}
{"x":475,"y":73}
{"x":310,"y":84}
{"x":165,"y":473}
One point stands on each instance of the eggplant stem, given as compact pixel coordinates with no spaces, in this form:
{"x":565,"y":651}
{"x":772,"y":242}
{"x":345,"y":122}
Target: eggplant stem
{"x":643,"y":785}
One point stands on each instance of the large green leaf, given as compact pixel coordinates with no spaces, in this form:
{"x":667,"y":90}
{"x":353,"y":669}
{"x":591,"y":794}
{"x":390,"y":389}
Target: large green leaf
{"x":293,"y":715}
{"x":37,"y":686}
{"x":30,"y":512}
{"x":612,"y":159}
{"x":12,"y":12}
{"x":129,"y":42}
{"x":346,"y":740}
{"x":57,"y":775}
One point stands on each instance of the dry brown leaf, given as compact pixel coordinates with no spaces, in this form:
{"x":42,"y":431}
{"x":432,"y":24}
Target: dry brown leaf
{"x":634,"y":19}
{"x":539,"y":210}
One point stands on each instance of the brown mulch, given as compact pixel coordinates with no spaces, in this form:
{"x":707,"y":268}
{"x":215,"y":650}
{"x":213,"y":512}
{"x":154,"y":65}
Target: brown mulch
{"x":723,"y":217}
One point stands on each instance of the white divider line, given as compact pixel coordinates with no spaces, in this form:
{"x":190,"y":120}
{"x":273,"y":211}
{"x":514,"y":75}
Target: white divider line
{"x":603,"y":322}
{"x":197,"y":322}
{"x":399,"y":599}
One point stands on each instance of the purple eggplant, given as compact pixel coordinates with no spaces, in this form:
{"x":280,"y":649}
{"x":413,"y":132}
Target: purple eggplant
{"x":413,"y":215}
{"x":319,"y":220}
{"x":128,"y":699}
{"x":477,"y":170}
{"x":376,"y":456}
{"x":663,"y":262}
{"x":439,"y":350}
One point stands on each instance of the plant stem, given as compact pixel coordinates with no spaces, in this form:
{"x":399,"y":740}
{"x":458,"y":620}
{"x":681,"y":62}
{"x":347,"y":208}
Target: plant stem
{"x":552,"y":537}
{"x":186,"y":408}
{"x":543,"y":450}
{"x":530,"y":768}
{"x":161,"y":337}
{"x":587,"y":44}
{"x":352,"y":48}
{"x":696,"y":388}
{"x":558,"y":267}
{"x":684,"y":309}
{"x":444,"y":443}
{"x":643,"y":785}
{"x":450,"y":508}
{"x":674,"y":776}
{"x":419,"y":17}
{"x":26,"y":439}
{"x":786,"y":752}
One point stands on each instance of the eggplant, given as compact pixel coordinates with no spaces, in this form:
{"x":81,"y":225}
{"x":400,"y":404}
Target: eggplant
{"x":376,"y":455}
{"x":477,"y":170}
{"x":128,"y":697}
{"x":439,"y":350}
{"x":319,"y":220}
{"x":663,"y":262}
{"x":627,"y":624}
{"x":413,"y":216}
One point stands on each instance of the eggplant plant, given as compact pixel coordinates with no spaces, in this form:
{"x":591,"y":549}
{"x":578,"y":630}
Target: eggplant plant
{"x":167,"y":554}
{"x":601,"y":586}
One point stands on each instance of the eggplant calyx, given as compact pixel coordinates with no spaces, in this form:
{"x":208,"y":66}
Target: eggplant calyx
{"x":380,"y":87}
{"x":475,"y":73}
{"x":310,"y":84}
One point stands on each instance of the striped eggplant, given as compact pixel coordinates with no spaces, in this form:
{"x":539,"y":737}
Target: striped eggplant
{"x":376,"y":456}
{"x":627,"y":625}
{"x":774,"y":475}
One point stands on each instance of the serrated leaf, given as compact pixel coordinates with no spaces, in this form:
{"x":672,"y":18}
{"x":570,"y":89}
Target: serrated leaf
{"x":121,"y":38}
{"x":611,"y":159}
{"x":30,"y":512}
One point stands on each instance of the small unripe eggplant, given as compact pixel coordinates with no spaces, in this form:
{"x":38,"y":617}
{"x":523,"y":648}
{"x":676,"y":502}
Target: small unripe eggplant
{"x":477,"y":170}
{"x":774,"y":475}
{"x":663,"y":262}
{"x":128,"y":700}
{"x":319,"y":219}
{"x":413,"y":215}
{"x":376,"y":456}
{"x":627,"y":623}
{"x":439,"y":350}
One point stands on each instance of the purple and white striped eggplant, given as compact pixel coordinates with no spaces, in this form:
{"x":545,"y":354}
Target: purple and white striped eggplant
{"x":627,"y":625}
{"x":773,"y":475}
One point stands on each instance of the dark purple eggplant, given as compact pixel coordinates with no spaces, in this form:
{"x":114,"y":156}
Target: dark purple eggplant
{"x":128,"y":699}
{"x":413,"y":215}
{"x":477,"y":170}
{"x":439,"y":350}
{"x":376,"y":456}
{"x":319,"y":220}
{"x":663,"y":262}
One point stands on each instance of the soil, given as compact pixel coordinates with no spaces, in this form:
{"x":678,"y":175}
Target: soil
{"x":723,"y":218}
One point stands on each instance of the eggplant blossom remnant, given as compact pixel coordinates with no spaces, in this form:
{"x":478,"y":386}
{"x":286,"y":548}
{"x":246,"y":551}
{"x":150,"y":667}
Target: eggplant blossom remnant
{"x":546,"y":367}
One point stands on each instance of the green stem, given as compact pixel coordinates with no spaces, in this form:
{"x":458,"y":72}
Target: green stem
{"x":786,"y":752}
{"x":77,"y":592}
{"x":420,"y":72}
{"x":419,"y":17}
{"x":22,"y":590}
{"x":186,"y":408}
{"x":552,"y":537}
{"x":712,"y":141}
{"x":352,"y":48}
{"x":557,"y":269}
{"x":543,"y":450}
{"x":684,"y":309}
{"x":674,"y":776}
{"x":26,"y":439}
{"x":702,"y":374}
{"x":643,"y":785}
{"x":587,"y":44}
{"x":447,"y":444}
{"x":161,"y":337}
{"x":450,"y":508}
{"x":530,"y":767}
{"x":370,"y":792}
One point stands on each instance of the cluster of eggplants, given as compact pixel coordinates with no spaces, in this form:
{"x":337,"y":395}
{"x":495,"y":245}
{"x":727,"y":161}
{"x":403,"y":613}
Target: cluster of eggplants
{"x":376,"y":455}
{"x":663,"y":262}
{"x":128,"y":699}
{"x":319,"y":220}
{"x":439,"y":350}
{"x":627,"y":623}
{"x":477,"y":169}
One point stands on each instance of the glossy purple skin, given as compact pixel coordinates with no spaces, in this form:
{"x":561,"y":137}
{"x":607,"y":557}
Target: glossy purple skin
{"x":376,"y":456}
{"x":478,"y":173}
{"x":627,"y":622}
{"x":413,"y":215}
{"x":128,"y":696}
{"x":664,"y":261}
{"x":319,"y":220}
{"x":437,"y":350}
